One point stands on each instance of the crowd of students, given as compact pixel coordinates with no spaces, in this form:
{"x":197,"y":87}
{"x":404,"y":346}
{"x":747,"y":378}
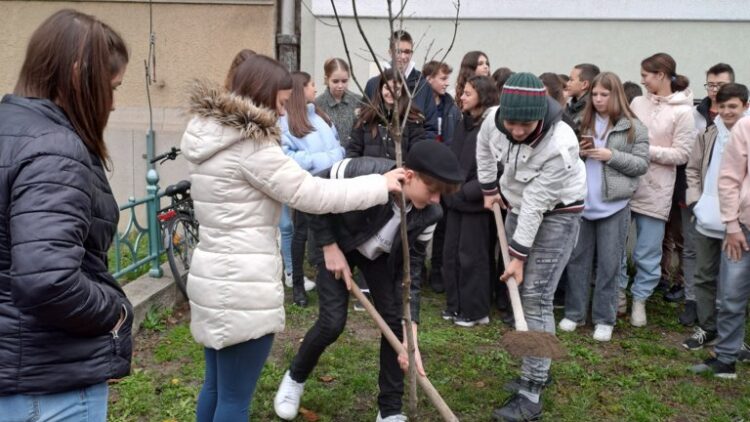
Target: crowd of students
{"x":574,"y":161}
{"x":583,"y":162}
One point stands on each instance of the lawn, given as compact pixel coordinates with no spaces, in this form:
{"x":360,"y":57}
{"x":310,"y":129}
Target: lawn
{"x":640,"y":376}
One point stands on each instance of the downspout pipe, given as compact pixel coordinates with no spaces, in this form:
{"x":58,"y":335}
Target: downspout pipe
{"x":287,"y":39}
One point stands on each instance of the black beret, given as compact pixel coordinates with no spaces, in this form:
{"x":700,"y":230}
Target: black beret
{"x":435,"y":159}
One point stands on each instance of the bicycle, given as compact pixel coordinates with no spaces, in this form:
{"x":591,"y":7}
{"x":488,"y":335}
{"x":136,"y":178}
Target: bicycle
{"x":179,"y":226}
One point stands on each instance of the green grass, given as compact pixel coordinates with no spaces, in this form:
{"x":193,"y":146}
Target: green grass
{"x":640,"y":376}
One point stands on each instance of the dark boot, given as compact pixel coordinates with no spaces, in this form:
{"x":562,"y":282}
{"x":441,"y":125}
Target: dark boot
{"x":299,"y":295}
{"x":675,"y":294}
{"x":689,"y":315}
{"x":436,"y":281}
{"x":518,"y":409}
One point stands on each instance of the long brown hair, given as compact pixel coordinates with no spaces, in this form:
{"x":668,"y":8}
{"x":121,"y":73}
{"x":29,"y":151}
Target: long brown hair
{"x":71,"y":60}
{"x":370,"y":111}
{"x":468,"y":68}
{"x":617,"y":108}
{"x":333,"y":64}
{"x":296,"y":108}
{"x":554,"y":86}
{"x":260,"y":78}
{"x":488,"y":94}
{"x":238,"y":59}
{"x":663,"y":62}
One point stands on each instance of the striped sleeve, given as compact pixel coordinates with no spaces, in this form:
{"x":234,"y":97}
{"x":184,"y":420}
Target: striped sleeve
{"x":427,"y":234}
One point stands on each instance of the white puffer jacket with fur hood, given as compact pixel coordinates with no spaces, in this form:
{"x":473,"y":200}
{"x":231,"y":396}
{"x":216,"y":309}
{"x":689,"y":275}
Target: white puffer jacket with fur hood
{"x":240,"y":177}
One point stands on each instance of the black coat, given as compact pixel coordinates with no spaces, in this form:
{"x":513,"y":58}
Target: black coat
{"x":351,"y":229}
{"x":363,"y":144}
{"x":469,"y":198}
{"x":422,"y":99}
{"x":58,"y":303}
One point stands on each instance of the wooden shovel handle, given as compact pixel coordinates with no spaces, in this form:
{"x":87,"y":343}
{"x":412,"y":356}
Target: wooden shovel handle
{"x":515,"y":298}
{"x":423,"y":382}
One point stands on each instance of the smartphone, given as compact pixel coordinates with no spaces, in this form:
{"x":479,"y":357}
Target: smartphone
{"x":587,"y":142}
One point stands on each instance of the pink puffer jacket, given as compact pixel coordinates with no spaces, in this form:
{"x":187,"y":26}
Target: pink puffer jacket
{"x":671,"y":134}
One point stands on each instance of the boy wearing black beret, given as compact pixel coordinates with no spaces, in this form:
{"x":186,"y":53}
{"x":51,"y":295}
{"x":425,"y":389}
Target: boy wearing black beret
{"x":370,"y":240}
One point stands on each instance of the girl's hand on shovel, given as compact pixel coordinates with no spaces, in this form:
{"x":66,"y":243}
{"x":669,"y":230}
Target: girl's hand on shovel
{"x":515,"y":270}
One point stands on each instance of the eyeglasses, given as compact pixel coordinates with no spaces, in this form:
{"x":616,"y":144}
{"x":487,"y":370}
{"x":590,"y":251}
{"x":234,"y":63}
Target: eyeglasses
{"x":713,"y":87}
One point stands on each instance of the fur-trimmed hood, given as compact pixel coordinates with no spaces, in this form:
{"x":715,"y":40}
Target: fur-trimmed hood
{"x":215,"y":110}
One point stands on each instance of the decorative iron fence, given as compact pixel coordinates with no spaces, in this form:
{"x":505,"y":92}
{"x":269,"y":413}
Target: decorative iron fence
{"x":135,"y":234}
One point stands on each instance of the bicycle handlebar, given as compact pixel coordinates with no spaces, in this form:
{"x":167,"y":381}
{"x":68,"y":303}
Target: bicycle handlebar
{"x":170,"y":155}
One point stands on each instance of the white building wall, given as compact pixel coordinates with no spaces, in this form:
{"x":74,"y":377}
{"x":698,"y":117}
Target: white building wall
{"x":544,"y":35}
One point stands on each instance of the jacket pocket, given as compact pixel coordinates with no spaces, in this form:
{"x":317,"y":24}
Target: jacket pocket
{"x":121,"y":342}
{"x":526,"y":175}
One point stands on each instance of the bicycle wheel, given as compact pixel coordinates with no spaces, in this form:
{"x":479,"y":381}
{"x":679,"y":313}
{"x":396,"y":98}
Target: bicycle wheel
{"x":183,"y":236}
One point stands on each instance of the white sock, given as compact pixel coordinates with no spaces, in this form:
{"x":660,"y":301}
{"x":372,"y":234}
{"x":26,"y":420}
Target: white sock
{"x":534,"y":398}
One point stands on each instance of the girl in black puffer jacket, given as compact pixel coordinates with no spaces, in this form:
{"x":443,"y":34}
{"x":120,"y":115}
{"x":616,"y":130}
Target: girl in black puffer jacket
{"x":371,"y":136}
{"x":65,"y":323}
{"x":468,"y":252}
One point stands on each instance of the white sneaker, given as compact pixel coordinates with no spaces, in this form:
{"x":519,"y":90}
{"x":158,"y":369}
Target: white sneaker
{"x":393,"y":418}
{"x":309,"y":284}
{"x":286,"y":402}
{"x":288,"y":279}
{"x":567,"y":325}
{"x":603,"y":332}
{"x":638,"y":316}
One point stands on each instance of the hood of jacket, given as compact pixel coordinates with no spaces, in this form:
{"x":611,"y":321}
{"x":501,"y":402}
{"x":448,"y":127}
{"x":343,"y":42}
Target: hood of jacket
{"x":554,"y":115}
{"x":225,"y":110}
{"x":684,"y":97}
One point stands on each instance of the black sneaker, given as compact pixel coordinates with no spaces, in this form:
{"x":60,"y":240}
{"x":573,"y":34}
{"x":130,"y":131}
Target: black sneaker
{"x":518,"y":409}
{"x":689,"y":315}
{"x":299,"y":296}
{"x":448,"y":315}
{"x":462,"y":321}
{"x":516,"y":384}
{"x":663,"y":286}
{"x":699,"y":339}
{"x":717,"y":367}
{"x":744,"y":353}
{"x":675,"y":294}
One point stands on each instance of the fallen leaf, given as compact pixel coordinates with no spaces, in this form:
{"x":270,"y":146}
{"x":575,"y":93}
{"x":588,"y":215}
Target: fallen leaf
{"x":175,"y":381}
{"x":479,"y":384}
{"x":326,"y":378}
{"x":308,"y":415}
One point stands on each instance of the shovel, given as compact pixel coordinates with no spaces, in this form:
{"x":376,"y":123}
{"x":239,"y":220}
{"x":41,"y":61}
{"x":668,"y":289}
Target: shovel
{"x":522,"y":342}
{"x":423,"y":382}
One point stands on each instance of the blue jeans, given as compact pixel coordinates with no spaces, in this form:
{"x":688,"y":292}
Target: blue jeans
{"x":286,"y":226}
{"x":734,"y":291}
{"x":649,"y":233}
{"x":231,"y":376}
{"x":553,"y":244}
{"x":602,"y":242}
{"x":87,"y":404}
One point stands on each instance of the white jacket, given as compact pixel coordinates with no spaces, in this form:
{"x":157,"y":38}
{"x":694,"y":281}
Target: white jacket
{"x":536,"y":179}
{"x":240,"y":177}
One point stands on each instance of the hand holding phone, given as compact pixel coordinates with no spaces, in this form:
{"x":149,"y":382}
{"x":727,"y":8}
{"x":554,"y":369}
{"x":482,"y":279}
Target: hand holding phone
{"x":587,"y":142}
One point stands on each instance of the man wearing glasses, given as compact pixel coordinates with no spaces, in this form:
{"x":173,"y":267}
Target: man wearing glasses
{"x":402,"y":50}
{"x":705,"y":112}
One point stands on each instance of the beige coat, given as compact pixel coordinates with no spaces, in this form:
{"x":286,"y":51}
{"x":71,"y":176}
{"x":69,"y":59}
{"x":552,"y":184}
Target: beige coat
{"x":671,"y":134}
{"x":240,"y":177}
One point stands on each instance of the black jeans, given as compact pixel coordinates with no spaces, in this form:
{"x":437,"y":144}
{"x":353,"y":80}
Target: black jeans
{"x":299,"y":240}
{"x":333,"y":299}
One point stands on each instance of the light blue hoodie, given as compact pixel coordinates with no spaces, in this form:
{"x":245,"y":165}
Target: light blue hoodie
{"x":316,"y":151}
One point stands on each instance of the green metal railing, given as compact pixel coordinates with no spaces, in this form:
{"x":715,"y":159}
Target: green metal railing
{"x":135,"y":234}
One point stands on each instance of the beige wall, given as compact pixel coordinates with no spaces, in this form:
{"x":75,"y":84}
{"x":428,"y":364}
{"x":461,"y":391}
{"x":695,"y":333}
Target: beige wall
{"x":192,"y":40}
